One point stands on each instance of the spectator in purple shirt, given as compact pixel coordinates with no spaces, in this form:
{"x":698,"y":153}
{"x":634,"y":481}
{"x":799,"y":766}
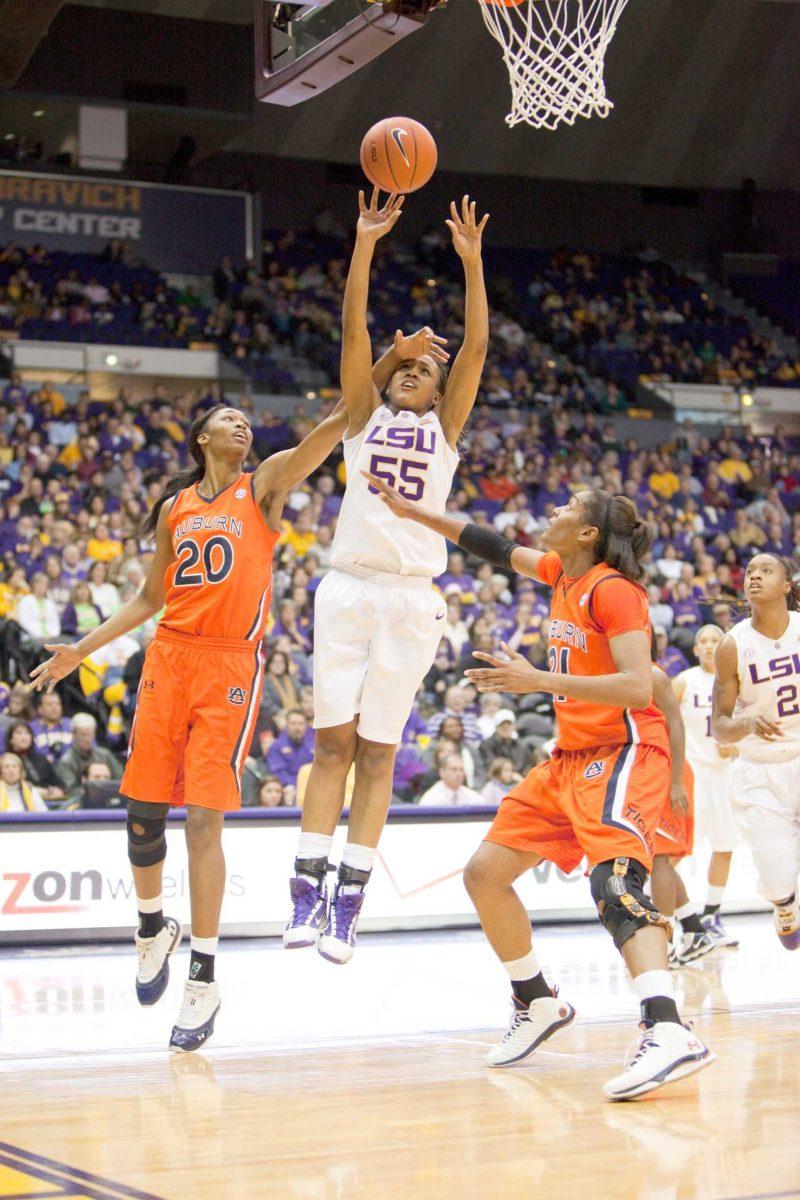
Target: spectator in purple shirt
{"x":456,"y":576}
{"x":292,"y":749}
{"x":670,"y":658}
{"x":687,"y":616}
{"x":52,"y":731}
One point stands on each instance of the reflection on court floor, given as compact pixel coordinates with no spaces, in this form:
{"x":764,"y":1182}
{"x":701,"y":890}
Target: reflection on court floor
{"x":368,"y":1083}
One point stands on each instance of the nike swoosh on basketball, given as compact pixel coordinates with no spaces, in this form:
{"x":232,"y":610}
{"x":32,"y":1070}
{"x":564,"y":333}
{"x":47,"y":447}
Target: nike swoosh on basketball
{"x":398,"y":135}
{"x":440,"y":616}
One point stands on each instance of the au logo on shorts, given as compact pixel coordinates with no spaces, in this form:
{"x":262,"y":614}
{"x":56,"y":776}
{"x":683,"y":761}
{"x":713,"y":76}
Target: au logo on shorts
{"x":237,"y":695}
{"x":240,"y":494}
{"x":595,"y":769}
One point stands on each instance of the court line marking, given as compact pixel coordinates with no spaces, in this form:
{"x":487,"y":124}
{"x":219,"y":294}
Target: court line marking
{"x":49,"y":1170}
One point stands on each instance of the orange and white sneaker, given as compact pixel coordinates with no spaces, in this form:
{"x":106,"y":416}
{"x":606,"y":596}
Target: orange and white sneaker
{"x":530,"y":1025}
{"x":666,"y":1052}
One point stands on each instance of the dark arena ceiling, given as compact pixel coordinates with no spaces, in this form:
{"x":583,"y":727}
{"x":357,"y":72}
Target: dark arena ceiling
{"x":706,"y":92}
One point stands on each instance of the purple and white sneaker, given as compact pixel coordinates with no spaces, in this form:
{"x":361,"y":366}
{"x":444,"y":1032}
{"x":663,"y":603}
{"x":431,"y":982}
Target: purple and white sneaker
{"x":338,"y":942}
{"x":717,"y":931}
{"x":787,"y":924}
{"x":309,"y":913}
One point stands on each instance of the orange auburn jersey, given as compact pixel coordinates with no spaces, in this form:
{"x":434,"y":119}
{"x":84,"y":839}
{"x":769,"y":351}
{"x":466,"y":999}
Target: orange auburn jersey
{"x":220,"y":584}
{"x":585,"y":614}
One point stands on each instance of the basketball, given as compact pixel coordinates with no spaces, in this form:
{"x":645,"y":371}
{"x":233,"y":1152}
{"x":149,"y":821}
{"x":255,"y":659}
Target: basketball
{"x":398,"y":155}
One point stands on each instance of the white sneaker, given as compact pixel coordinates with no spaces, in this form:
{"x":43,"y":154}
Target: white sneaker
{"x":152,"y":967}
{"x":195,"y":1023}
{"x":696,"y":945}
{"x":667,"y":1052}
{"x":528,"y":1028}
{"x":787,"y":924}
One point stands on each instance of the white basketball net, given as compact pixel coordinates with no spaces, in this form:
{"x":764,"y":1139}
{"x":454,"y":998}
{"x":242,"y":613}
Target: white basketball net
{"x":554,"y":51}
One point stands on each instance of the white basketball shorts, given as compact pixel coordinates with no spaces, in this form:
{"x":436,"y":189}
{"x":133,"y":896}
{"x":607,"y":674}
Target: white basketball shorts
{"x":375,"y":638}
{"x":714,"y":817}
{"x":766,"y":800}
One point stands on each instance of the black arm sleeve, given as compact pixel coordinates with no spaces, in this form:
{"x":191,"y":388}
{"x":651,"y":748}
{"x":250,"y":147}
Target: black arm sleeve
{"x":486,"y":544}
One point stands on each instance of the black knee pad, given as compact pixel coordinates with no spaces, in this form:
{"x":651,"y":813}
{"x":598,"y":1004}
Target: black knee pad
{"x":618,"y":891}
{"x":147,"y":833}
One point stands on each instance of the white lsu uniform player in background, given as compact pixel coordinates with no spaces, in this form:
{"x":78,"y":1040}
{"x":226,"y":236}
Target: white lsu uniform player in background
{"x":711,"y":769}
{"x":757,"y":706}
{"x":377,"y":619}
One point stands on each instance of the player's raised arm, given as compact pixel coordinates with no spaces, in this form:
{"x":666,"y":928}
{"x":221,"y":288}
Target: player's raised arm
{"x":279,"y":473}
{"x":360,"y":394}
{"x":414,"y":345}
{"x":664,"y":698}
{"x":461,"y":389}
{"x":141,"y":608}
{"x":474,"y":539}
{"x":724,"y":726}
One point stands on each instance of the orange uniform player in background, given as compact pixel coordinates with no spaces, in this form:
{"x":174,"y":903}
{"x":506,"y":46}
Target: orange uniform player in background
{"x":199,"y":693}
{"x":215,"y":530}
{"x":602,"y":792}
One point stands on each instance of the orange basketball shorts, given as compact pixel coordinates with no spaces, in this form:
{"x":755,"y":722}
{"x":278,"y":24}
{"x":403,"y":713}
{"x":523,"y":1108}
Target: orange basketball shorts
{"x":195,"y":714}
{"x":604,"y":802}
{"x":675,"y":832}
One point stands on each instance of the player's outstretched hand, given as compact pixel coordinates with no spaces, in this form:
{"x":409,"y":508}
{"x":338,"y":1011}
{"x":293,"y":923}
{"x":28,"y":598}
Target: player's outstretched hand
{"x":679,"y":801}
{"x":768,"y":730}
{"x":47,"y":674}
{"x":424,"y":341}
{"x":375,"y":221}
{"x":390,"y":496}
{"x":465,"y":230}
{"x":510,"y":674}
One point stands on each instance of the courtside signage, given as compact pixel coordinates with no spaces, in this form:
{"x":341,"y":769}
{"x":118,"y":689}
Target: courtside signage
{"x":61,"y":880}
{"x":168,"y":228}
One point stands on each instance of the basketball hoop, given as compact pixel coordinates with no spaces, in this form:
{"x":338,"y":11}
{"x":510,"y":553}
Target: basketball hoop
{"x":554,"y":51}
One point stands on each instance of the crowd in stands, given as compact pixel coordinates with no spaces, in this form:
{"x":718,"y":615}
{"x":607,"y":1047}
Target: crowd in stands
{"x":77,"y":478}
{"x":570,"y":324}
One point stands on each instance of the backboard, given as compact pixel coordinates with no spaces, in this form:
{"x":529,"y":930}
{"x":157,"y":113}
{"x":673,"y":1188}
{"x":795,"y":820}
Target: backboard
{"x":303,"y":47}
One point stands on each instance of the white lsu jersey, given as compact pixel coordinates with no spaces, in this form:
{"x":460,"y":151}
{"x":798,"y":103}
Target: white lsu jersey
{"x":769,"y":686}
{"x":411,"y":454}
{"x":701,"y":747}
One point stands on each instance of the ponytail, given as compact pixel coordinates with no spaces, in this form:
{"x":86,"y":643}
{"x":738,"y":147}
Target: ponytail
{"x":623,"y":538}
{"x":188,"y":476}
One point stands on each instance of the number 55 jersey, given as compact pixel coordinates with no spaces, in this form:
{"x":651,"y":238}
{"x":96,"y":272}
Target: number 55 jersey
{"x":411,"y":454}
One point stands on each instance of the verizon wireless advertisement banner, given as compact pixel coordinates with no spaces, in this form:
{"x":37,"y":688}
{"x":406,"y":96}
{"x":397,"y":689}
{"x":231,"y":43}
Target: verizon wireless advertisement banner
{"x":66,"y":882}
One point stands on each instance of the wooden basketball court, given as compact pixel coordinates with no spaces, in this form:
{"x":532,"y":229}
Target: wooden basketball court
{"x":368,"y":1082}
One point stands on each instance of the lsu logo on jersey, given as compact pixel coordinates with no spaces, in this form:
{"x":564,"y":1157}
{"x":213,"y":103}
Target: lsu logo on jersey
{"x":595,"y":769}
{"x":237,"y":695}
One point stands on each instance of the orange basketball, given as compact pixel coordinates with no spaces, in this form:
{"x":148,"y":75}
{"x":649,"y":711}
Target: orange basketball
{"x":398,"y":155}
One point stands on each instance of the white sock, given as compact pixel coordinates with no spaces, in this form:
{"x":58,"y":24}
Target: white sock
{"x":360,"y":858}
{"x":653,"y":983}
{"x":204,"y":945}
{"x":522,"y":968}
{"x":154,"y":904}
{"x":685,"y":910}
{"x":313,"y":845}
{"x":715,"y":894}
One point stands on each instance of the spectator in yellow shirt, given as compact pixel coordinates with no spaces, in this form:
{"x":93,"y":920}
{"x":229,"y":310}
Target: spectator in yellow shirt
{"x":11,"y":590}
{"x":664,"y":482}
{"x":734,"y":469}
{"x":299,"y":535}
{"x":101,"y":547}
{"x":49,"y":395}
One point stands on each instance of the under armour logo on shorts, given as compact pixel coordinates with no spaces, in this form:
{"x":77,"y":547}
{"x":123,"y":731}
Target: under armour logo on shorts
{"x":149,"y":685}
{"x":240,"y":494}
{"x":237,"y":695}
{"x":594,"y":769}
